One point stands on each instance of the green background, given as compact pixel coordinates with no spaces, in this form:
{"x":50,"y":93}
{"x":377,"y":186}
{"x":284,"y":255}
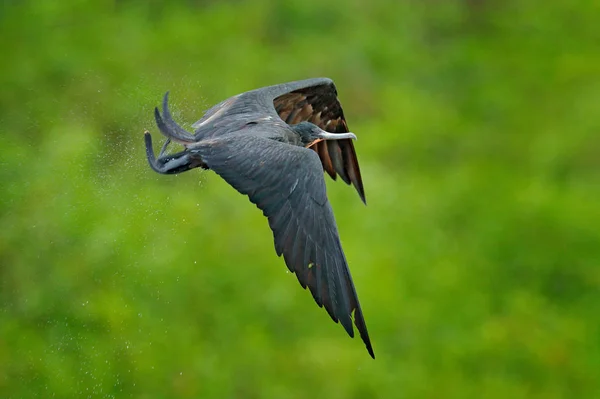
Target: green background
{"x":476,"y":259}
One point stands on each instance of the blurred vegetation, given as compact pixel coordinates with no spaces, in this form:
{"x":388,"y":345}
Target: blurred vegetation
{"x":476,"y":260}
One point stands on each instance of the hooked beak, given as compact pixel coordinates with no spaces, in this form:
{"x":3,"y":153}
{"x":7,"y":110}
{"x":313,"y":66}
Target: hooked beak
{"x":336,"y":136}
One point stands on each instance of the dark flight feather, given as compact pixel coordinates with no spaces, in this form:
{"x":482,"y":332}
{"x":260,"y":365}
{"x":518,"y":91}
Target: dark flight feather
{"x":318,"y":104}
{"x":286,"y":183}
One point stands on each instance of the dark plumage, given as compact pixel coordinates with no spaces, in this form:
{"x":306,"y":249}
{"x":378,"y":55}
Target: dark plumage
{"x":258,"y":142}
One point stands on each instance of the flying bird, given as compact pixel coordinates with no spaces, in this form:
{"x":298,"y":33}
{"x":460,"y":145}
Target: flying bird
{"x":274,"y":144}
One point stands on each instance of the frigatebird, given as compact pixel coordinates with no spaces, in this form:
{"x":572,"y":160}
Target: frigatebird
{"x":273,"y":144}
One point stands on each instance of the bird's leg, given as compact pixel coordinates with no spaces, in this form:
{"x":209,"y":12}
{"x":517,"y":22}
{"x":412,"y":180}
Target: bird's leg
{"x":169,"y":164}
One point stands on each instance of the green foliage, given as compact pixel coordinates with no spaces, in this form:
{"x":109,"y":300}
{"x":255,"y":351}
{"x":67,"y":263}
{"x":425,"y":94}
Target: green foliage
{"x":476,"y":260}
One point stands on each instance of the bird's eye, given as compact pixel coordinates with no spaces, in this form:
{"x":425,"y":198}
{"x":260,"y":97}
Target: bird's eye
{"x":251,"y":123}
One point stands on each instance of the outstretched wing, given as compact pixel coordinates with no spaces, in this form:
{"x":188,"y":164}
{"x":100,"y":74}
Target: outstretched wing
{"x":312,"y":100}
{"x":287,"y":184}
{"x":318,"y":103}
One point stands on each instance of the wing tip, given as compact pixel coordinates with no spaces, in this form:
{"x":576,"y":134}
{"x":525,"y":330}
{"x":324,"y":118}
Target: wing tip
{"x":370,"y":350}
{"x":361,"y":194}
{"x":362,"y":332}
{"x":361,"y":326}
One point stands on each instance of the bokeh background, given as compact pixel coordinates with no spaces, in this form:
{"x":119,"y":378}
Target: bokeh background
{"x":476,"y":259}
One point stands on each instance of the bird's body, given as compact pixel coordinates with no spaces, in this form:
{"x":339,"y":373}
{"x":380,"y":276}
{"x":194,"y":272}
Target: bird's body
{"x":259,"y":143}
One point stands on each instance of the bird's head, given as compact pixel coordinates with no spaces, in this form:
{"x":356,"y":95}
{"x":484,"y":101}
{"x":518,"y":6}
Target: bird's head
{"x":310,"y":133}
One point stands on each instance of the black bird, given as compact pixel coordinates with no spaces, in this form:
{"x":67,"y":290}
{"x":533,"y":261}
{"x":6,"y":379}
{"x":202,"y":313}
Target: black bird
{"x":260,"y":142}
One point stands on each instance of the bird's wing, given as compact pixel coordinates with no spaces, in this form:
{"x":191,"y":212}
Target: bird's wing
{"x":317,"y":102}
{"x":234,"y":112}
{"x":286,"y":182}
{"x":214,"y":112}
{"x":313,"y":100}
